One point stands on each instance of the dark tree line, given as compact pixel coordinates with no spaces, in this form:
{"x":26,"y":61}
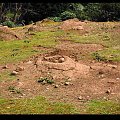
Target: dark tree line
{"x":27,"y":12}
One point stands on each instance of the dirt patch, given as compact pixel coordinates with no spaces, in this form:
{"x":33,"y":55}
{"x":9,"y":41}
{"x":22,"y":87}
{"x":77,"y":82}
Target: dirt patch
{"x":7,"y":34}
{"x":74,"y":24}
{"x":86,"y":79}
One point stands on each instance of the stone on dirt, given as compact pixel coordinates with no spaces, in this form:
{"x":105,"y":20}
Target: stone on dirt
{"x":61,"y":60}
{"x":108,"y":91}
{"x":5,"y":67}
{"x":44,"y":82}
{"x":67,"y":83}
{"x":56,"y":86}
{"x":29,"y":62}
{"x":80,"y":98}
{"x":14,"y":73}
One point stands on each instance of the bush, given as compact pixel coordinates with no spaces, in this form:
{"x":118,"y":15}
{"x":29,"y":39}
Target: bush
{"x":45,"y":79}
{"x":98,"y":57}
{"x":67,"y":15}
{"x":56,"y":19}
{"x":83,"y":16}
{"x":9,"y":24}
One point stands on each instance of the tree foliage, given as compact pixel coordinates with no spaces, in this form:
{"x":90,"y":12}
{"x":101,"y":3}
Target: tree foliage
{"x":17,"y":12}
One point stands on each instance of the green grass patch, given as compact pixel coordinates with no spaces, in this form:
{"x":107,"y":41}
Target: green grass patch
{"x":109,"y":39}
{"x":5,"y":75}
{"x":110,"y":54}
{"x":13,"y":51}
{"x":90,"y":38}
{"x":14,"y":90}
{"x":38,"y":105}
{"x":103,"y":107}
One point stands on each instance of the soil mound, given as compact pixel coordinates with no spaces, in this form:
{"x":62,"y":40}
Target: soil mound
{"x":7,"y":34}
{"x":72,"y":24}
{"x":62,"y":66}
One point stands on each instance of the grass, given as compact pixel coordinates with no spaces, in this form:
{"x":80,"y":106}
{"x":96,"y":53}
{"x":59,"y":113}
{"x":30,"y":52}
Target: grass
{"x":14,"y":51}
{"x":5,"y":75}
{"x":103,"y":107}
{"x":14,"y":90}
{"x":110,"y":54}
{"x":104,"y":34}
{"x":38,"y":105}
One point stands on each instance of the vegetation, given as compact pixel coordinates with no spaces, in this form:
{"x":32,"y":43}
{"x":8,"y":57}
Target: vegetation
{"x":38,"y":105}
{"x":103,"y":107}
{"x":45,"y":79}
{"x":24,"y":13}
{"x":5,"y":76}
{"x":14,"y":90}
{"x":21,"y":49}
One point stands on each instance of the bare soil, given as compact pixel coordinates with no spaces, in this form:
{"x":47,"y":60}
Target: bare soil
{"x":7,"y":34}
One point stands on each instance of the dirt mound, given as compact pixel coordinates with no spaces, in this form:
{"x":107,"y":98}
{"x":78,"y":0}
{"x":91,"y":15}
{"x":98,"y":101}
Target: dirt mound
{"x":7,"y":34}
{"x":63,"y":66}
{"x":74,"y":24}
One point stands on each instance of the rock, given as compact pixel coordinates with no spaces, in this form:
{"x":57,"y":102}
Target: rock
{"x":105,"y":98}
{"x":80,"y":98}
{"x":23,"y":94}
{"x":69,"y":80}
{"x":56,"y":86}
{"x":5,"y":67}
{"x":61,"y":60}
{"x":108,"y":91}
{"x":67,"y":83}
{"x":44,"y":82}
{"x":29,"y":62}
{"x":102,"y":75}
{"x":14,"y":73}
{"x":88,"y":96}
{"x":117,"y":78}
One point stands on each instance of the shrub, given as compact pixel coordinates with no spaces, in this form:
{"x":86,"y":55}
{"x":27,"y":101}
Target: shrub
{"x":14,"y":90}
{"x":67,"y":15}
{"x":47,"y":80}
{"x":56,"y":19}
{"x":9,"y":24}
{"x":97,"y":57}
{"x":82,"y":16}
